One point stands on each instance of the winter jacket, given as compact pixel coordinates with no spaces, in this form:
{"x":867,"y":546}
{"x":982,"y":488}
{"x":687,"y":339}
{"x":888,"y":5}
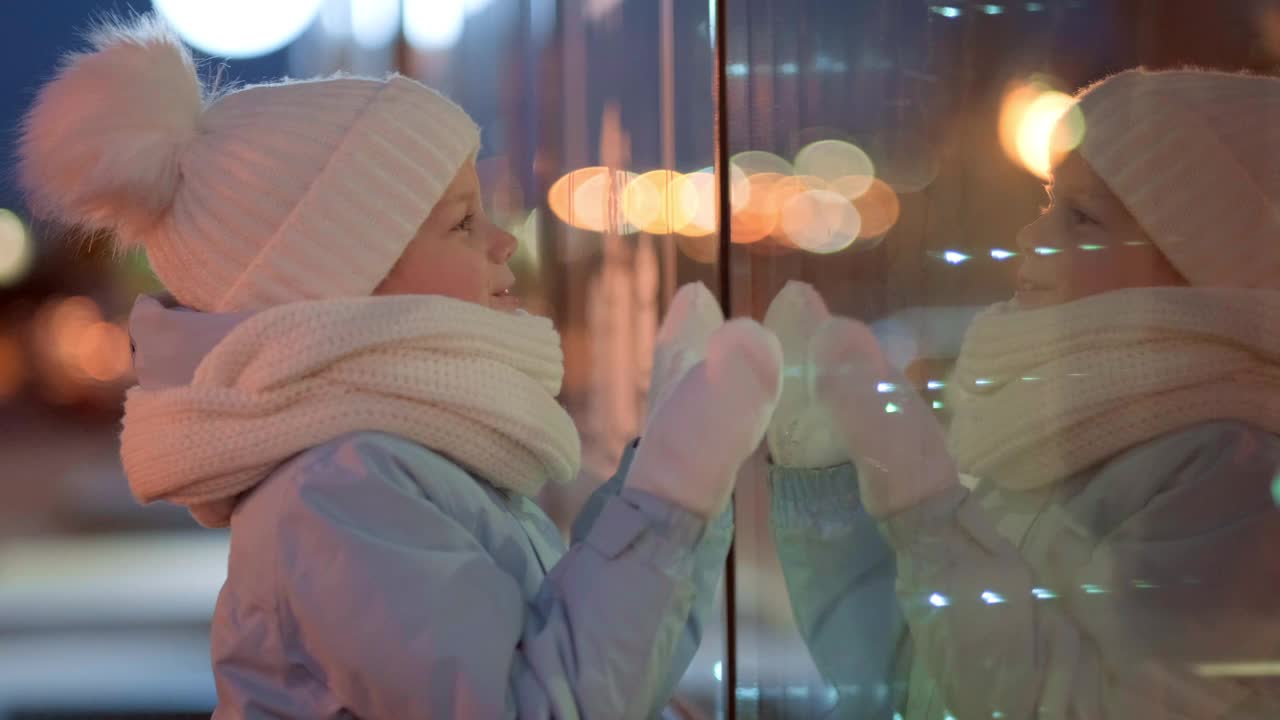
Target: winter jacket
{"x":1147,"y":587}
{"x":372,"y":577}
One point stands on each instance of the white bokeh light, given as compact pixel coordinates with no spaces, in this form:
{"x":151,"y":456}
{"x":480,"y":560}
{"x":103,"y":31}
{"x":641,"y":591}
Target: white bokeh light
{"x":434,"y":24}
{"x":375,"y":23}
{"x":16,"y":250}
{"x":239,"y":28}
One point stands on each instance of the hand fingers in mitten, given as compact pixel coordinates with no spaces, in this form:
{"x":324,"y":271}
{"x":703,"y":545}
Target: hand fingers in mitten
{"x":694,"y":314}
{"x":713,"y":420}
{"x":890,"y":433}
{"x":681,"y":342}
{"x":800,"y":434}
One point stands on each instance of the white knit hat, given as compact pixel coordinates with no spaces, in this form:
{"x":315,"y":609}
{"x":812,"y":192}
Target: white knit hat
{"x":269,"y":194}
{"x":1195,"y":157}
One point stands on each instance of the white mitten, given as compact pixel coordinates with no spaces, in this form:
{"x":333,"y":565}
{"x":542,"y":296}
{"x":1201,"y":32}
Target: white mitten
{"x":898,"y":448}
{"x":712,"y":421}
{"x":681,"y":343}
{"x":801,"y":433}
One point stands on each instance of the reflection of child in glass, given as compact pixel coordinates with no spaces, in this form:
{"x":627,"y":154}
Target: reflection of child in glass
{"x":1115,"y":557}
{"x":349,"y":386}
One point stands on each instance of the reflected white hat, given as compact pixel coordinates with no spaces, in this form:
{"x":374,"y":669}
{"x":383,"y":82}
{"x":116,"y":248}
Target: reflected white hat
{"x":1195,"y":157}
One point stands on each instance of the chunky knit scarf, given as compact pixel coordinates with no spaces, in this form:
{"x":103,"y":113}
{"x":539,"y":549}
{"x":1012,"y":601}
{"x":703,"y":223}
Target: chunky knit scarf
{"x":1043,"y":394}
{"x":474,"y":384}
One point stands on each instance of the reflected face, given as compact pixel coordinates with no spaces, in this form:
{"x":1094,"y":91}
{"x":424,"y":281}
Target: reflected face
{"x":1085,"y":243}
{"x":457,"y":252}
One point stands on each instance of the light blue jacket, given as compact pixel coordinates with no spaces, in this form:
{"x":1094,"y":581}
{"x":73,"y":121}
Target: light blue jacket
{"x":372,"y":577}
{"x":1146,"y":588}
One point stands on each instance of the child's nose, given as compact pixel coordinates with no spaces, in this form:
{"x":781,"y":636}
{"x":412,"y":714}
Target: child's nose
{"x":1029,"y":237}
{"x":504,"y":246}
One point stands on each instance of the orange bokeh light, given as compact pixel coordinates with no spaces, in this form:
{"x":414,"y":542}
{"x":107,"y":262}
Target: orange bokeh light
{"x":879,"y":208}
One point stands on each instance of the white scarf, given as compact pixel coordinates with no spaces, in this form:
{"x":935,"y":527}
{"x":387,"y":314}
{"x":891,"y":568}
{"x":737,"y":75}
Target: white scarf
{"x":472,"y":383}
{"x":1043,"y":394}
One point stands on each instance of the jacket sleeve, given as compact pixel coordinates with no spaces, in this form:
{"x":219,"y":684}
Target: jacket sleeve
{"x":404,"y":614}
{"x":839,"y":574}
{"x":708,"y":569}
{"x":1147,"y":620}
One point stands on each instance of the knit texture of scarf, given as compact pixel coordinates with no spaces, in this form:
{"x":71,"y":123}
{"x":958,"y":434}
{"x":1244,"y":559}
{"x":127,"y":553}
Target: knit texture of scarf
{"x":472,"y":383}
{"x":1040,"y":395}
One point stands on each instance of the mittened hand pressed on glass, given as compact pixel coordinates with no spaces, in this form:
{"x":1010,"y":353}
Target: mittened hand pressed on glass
{"x":802,"y":433}
{"x":895,"y":442}
{"x":681,"y":343}
{"x":712,"y":420}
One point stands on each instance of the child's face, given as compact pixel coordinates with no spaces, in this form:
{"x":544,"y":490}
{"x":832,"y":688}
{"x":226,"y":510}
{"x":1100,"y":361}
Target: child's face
{"x":1085,"y":243}
{"x":457,"y":252}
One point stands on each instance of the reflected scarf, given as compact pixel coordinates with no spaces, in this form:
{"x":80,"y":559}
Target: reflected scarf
{"x":472,"y":383}
{"x":1040,"y":395}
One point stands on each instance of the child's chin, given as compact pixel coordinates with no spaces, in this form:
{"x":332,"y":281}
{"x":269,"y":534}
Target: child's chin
{"x":1034,"y":299}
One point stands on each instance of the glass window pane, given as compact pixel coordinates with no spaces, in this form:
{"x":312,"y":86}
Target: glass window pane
{"x":1096,"y":555}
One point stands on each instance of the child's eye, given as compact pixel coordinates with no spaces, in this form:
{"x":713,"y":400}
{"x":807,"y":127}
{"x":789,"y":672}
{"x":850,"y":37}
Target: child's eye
{"x":1079,"y":217}
{"x":465,"y":225}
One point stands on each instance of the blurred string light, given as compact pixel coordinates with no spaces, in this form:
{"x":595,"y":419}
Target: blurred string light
{"x":375,"y":23}
{"x":955,"y":257}
{"x":81,"y":346}
{"x":1035,"y":7}
{"x":17,"y":250}
{"x":434,"y":24}
{"x":826,"y":201}
{"x":992,"y":9}
{"x":1037,"y":123}
{"x":239,"y":28}
{"x":1002,"y":255}
{"x":946,"y":11}
{"x":591,"y":199}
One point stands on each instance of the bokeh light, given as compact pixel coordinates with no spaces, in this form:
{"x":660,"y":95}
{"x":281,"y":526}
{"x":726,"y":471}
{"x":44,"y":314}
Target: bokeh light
{"x":17,"y":251}
{"x":756,"y":162}
{"x":13,"y":371}
{"x":375,"y":23}
{"x":783,"y":191}
{"x":696,"y":191}
{"x":103,"y":352}
{"x":656,"y":203}
{"x":904,"y":159}
{"x":832,"y":160}
{"x":1038,"y":123}
{"x":820,"y":221}
{"x":82,"y":346}
{"x":240,"y":28}
{"x":758,"y":217}
{"x":591,"y":199}
{"x":702,"y":249}
{"x":879,"y":208}
{"x":434,"y":24}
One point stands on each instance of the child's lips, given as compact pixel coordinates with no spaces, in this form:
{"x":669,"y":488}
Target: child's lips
{"x":1027,"y":284}
{"x":504,"y":300}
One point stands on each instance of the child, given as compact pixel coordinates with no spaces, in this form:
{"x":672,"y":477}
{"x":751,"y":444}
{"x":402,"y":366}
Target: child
{"x":1119,"y":421}
{"x":347,"y":385}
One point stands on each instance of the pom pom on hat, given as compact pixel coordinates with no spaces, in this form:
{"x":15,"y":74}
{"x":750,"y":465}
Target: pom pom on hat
{"x":102,"y":146}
